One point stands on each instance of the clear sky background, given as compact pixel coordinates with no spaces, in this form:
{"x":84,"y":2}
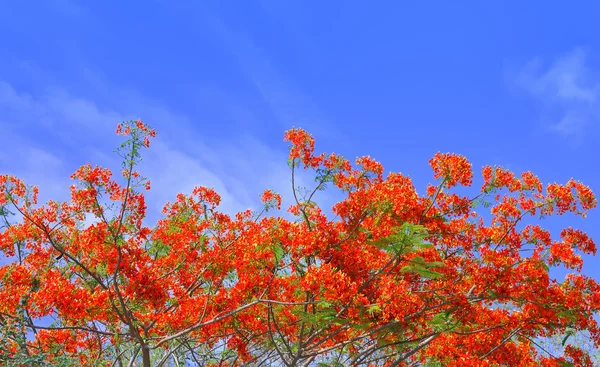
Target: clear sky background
{"x":511,"y":83}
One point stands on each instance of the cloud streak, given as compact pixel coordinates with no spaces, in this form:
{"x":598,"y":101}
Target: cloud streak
{"x":238,"y":167}
{"x":288,"y":103}
{"x":568,"y":91}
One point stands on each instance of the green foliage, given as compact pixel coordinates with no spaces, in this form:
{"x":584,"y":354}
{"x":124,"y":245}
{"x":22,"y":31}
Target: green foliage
{"x":278,"y":251}
{"x":405,"y":239}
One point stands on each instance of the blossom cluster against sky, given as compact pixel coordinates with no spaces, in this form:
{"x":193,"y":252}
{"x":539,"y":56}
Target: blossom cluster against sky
{"x":505,"y":83}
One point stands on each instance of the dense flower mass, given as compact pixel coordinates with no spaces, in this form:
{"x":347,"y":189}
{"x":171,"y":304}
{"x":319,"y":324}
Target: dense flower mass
{"x":393,"y":278}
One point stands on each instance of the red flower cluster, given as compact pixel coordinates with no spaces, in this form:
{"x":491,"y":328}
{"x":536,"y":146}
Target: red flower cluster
{"x":394,"y":278}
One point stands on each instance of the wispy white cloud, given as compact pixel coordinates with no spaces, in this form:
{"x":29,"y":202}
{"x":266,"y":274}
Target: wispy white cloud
{"x":79,"y":126}
{"x":172,"y":171}
{"x":569,"y":91}
{"x":55,"y":114}
{"x":34,"y":165}
{"x":238,"y":167}
{"x":10,"y":97}
{"x":289,"y":103}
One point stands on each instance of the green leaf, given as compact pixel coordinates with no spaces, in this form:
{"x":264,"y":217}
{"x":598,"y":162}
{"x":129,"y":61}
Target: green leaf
{"x":567,"y":335}
{"x":373,"y":309}
{"x":405,"y":239}
{"x":418,"y":260}
{"x":159,"y":249}
{"x":279,"y":252}
{"x":439,"y":319}
{"x":568,"y":314}
{"x":422,"y":271}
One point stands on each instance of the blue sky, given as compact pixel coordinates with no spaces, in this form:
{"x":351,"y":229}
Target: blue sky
{"x":505,"y":83}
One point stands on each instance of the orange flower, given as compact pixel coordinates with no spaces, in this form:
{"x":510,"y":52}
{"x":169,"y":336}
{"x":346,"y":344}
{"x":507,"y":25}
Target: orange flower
{"x":421,"y":277}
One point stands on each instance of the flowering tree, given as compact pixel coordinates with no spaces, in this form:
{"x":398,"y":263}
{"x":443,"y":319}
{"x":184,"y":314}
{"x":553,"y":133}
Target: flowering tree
{"x":393,"y":278}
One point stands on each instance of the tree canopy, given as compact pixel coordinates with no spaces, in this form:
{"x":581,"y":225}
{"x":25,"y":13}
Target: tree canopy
{"x":456,"y":276}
